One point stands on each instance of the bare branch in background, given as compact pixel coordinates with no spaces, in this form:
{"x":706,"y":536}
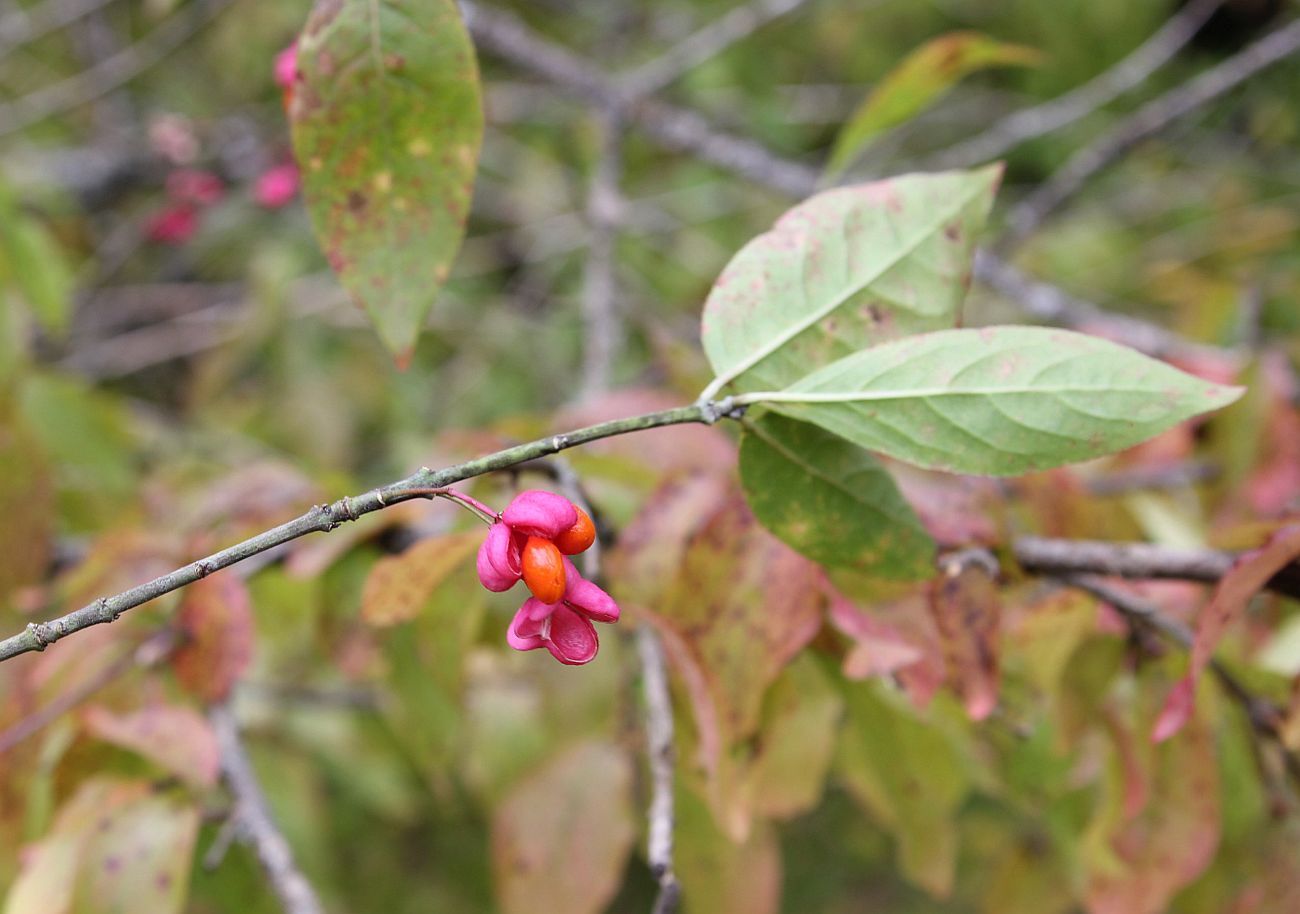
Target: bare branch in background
{"x":731,"y":27}
{"x":1147,"y":121}
{"x":252,"y":820}
{"x":114,"y":72}
{"x":602,"y":331}
{"x":20,"y":26}
{"x":1040,"y":555}
{"x":659,"y":743}
{"x":1030,"y":123}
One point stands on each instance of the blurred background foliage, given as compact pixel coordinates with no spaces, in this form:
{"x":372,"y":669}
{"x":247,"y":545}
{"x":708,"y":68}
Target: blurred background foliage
{"x":170,"y":384}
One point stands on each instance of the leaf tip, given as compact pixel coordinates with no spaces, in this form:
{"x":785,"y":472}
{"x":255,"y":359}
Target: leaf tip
{"x":1177,"y":710}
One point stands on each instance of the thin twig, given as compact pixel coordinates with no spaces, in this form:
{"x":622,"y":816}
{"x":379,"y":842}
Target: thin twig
{"x":659,"y":740}
{"x":324,"y":518}
{"x":1030,"y":123}
{"x":1147,"y":121}
{"x":733,"y":26}
{"x":116,"y":71}
{"x":253,"y":823}
{"x":1041,"y":555}
{"x":22,"y":26}
{"x":601,"y":326}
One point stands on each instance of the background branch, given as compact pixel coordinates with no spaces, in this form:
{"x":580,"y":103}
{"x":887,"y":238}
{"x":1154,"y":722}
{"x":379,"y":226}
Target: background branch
{"x":253,"y":823}
{"x":1130,"y":72}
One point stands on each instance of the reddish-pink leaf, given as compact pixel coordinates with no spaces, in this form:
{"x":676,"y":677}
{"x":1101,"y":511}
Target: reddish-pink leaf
{"x":738,"y":608}
{"x":1153,"y":854}
{"x":216,"y":620}
{"x":177,"y":738}
{"x":967,"y":612}
{"x":560,"y":838}
{"x":1235,"y":589}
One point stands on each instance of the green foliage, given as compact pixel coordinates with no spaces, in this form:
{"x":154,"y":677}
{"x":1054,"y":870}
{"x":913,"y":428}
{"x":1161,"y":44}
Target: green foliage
{"x":831,"y":500}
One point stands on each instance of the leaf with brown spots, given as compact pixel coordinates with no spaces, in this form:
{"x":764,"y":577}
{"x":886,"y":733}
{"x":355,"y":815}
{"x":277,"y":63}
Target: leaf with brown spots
{"x":216,"y":620}
{"x":176,"y":738}
{"x":400,"y":585}
{"x":561,"y":838}
{"x":114,"y":846}
{"x":844,"y":270}
{"x":1235,"y":589}
{"x":387,"y":122}
{"x":831,"y":500}
{"x":923,"y":77}
{"x":967,"y":610}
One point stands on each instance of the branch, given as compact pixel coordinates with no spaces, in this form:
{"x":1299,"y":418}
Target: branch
{"x":1039,"y":555}
{"x":253,"y":823}
{"x":601,"y":330}
{"x":1132,"y":71}
{"x":659,"y":740}
{"x":116,"y":71}
{"x":1147,"y":121}
{"x":735,"y":25}
{"x":21,"y":26}
{"x":424,"y":483}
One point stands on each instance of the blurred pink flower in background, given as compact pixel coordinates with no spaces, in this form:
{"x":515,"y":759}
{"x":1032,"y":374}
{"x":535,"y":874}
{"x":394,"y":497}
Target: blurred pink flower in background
{"x":276,"y":187}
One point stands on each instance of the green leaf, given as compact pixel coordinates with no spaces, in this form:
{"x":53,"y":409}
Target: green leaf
{"x":1000,"y":400}
{"x":846,"y":269}
{"x":30,"y":261}
{"x":910,"y":775}
{"x":387,"y":122}
{"x":919,"y":81}
{"x":831,"y":500}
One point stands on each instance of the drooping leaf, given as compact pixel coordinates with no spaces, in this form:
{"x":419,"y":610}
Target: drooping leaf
{"x":830,"y":499}
{"x":175,"y":737}
{"x":999,"y":400}
{"x":216,"y":619}
{"x":844,"y":270}
{"x":560,"y":839}
{"x":387,"y":122}
{"x":967,"y":610}
{"x":1235,"y":589}
{"x":399,"y":585}
{"x":923,"y":77}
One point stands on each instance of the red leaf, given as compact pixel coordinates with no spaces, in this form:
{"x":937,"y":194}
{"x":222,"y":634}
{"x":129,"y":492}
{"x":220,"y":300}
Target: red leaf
{"x":1246,"y":578}
{"x":217,"y":621}
{"x":177,"y":738}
